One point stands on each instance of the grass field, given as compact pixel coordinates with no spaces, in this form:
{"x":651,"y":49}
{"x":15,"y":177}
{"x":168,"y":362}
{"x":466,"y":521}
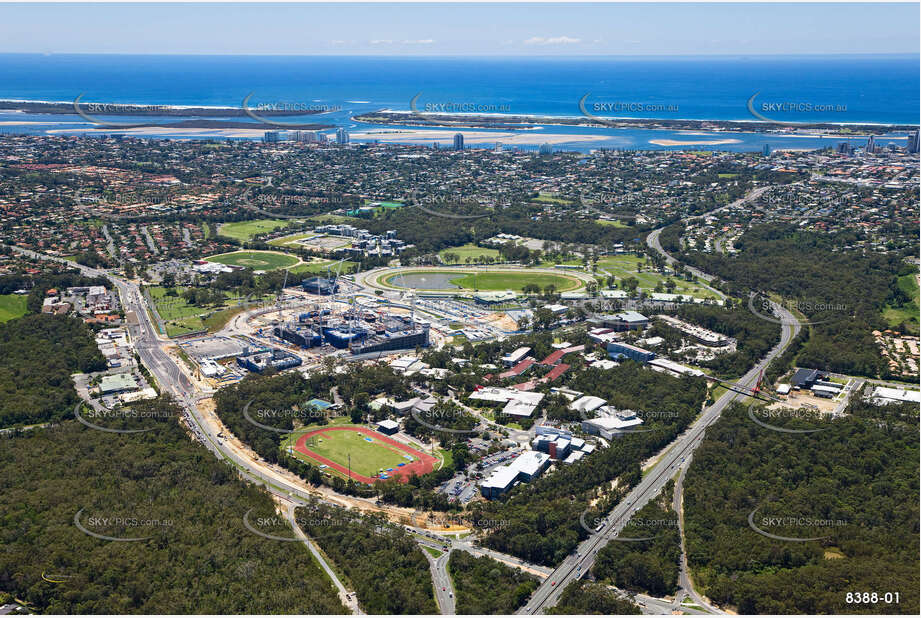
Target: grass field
{"x":181,"y":318}
{"x":493,"y":280}
{"x":245,"y":230}
{"x":468,"y":250}
{"x":546,"y":197}
{"x":622,"y":266}
{"x":257,"y":260}
{"x":12,"y":306}
{"x":367,"y":457}
{"x":515,"y":281}
{"x":909,"y":313}
{"x":611,"y":222}
{"x":319,"y":268}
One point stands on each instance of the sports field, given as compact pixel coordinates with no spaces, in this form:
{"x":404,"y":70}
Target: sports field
{"x":245,"y":230}
{"x":481,"y":280}
{"x":12,"y":306}
{"x":468,"y":251}
{"x":257,"y":260}
{"x":370,"y":453}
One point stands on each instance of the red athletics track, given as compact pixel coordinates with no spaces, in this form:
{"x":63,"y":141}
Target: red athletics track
{"x":423,"y":464}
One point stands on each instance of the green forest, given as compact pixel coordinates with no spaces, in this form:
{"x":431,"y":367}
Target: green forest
{"x":843,"y":293}
{"x":39,"y":354}
{"x":486,"y":586}
{"x":583,"y":597}
{"x":387,"y":568}
{"x":648,"y":566}
{"x":543,"y":516}
{"x":199,"y":558}
{"x":853,"y":485}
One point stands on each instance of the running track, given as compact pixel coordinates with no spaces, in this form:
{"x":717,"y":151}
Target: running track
{"x":423,"y":464}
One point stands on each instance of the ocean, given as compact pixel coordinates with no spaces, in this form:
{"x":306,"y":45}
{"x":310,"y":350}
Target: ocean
{"x":835,"y":89}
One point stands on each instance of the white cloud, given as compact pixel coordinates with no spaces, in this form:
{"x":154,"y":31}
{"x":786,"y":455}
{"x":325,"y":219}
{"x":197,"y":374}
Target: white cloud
{"x":554,"y":40}
{"x":419,"y":42}
{"x":381,"y":42}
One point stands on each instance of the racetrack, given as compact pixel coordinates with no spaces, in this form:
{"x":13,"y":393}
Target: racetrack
{"x":462,"y":279}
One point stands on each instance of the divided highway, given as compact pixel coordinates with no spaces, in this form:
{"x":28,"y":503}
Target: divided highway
{"x":681,"y":449}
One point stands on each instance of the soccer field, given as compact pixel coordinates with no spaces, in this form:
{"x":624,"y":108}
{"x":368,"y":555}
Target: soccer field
{"x":245,"y":230}
{"x":257,"y":260}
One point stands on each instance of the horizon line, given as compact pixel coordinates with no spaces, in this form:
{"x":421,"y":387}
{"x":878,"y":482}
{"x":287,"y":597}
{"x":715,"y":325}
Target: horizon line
{"x":474,"y":55}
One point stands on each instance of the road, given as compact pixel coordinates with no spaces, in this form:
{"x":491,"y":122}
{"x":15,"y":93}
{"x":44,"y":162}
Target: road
{"x":686,"y":586}
{"x":441,"y":579}
{"x":652,"y":241}
{"x":348,"y":598}
{"x":578,"y":564}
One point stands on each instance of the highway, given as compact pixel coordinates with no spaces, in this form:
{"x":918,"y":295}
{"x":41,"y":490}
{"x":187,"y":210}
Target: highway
{"x":578,"y":564}
{"x":173,"y":381}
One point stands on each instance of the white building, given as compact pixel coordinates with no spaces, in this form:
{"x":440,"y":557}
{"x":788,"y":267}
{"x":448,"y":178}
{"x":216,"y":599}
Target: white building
{"x":513,"y":358}
{"x":882,"y":395}
{"x":612,"y":423}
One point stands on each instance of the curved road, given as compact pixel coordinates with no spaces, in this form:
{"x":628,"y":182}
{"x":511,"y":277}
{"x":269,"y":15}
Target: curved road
{"x":580,"y":563}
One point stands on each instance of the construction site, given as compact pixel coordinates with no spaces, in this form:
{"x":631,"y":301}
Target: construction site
{"x":313,"y":319}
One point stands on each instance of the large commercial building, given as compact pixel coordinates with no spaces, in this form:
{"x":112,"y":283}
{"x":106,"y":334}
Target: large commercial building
{"x":612,"y":423}
{"x":300,"y":336}
{"x":617,"y":350}
{"x":320,"y":286}
{"x":389,"y":341}
{"x":524,"y":469}
{"x":625,"y":320}
{"x":513,"y":358}
{"x":259,"y":361}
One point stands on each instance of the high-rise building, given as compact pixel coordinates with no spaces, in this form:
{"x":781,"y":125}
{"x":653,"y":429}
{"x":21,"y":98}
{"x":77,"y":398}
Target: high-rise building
{"x":458,"y":141}
{"x":272,"y":137}
{"x":844,"y":148}
{"x":342,"y":136}
{"x":912,"y":145}
{"x":546,"y":148}
{"x":871,"y":145}
{"x":766,"y":150}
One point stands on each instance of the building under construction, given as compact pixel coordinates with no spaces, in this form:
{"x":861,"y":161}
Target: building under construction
{"x":359,"y":331}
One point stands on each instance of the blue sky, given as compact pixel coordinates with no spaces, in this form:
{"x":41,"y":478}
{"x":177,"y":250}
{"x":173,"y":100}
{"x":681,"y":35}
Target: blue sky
{"x":461,"y":29}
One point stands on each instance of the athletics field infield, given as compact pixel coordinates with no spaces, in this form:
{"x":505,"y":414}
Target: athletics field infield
{"x":370,"y":453}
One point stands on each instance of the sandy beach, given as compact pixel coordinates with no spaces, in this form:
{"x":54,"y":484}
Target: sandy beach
{"x":168,"y":132}
{"x":479,"y":137}
{"x":712,"y":142}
